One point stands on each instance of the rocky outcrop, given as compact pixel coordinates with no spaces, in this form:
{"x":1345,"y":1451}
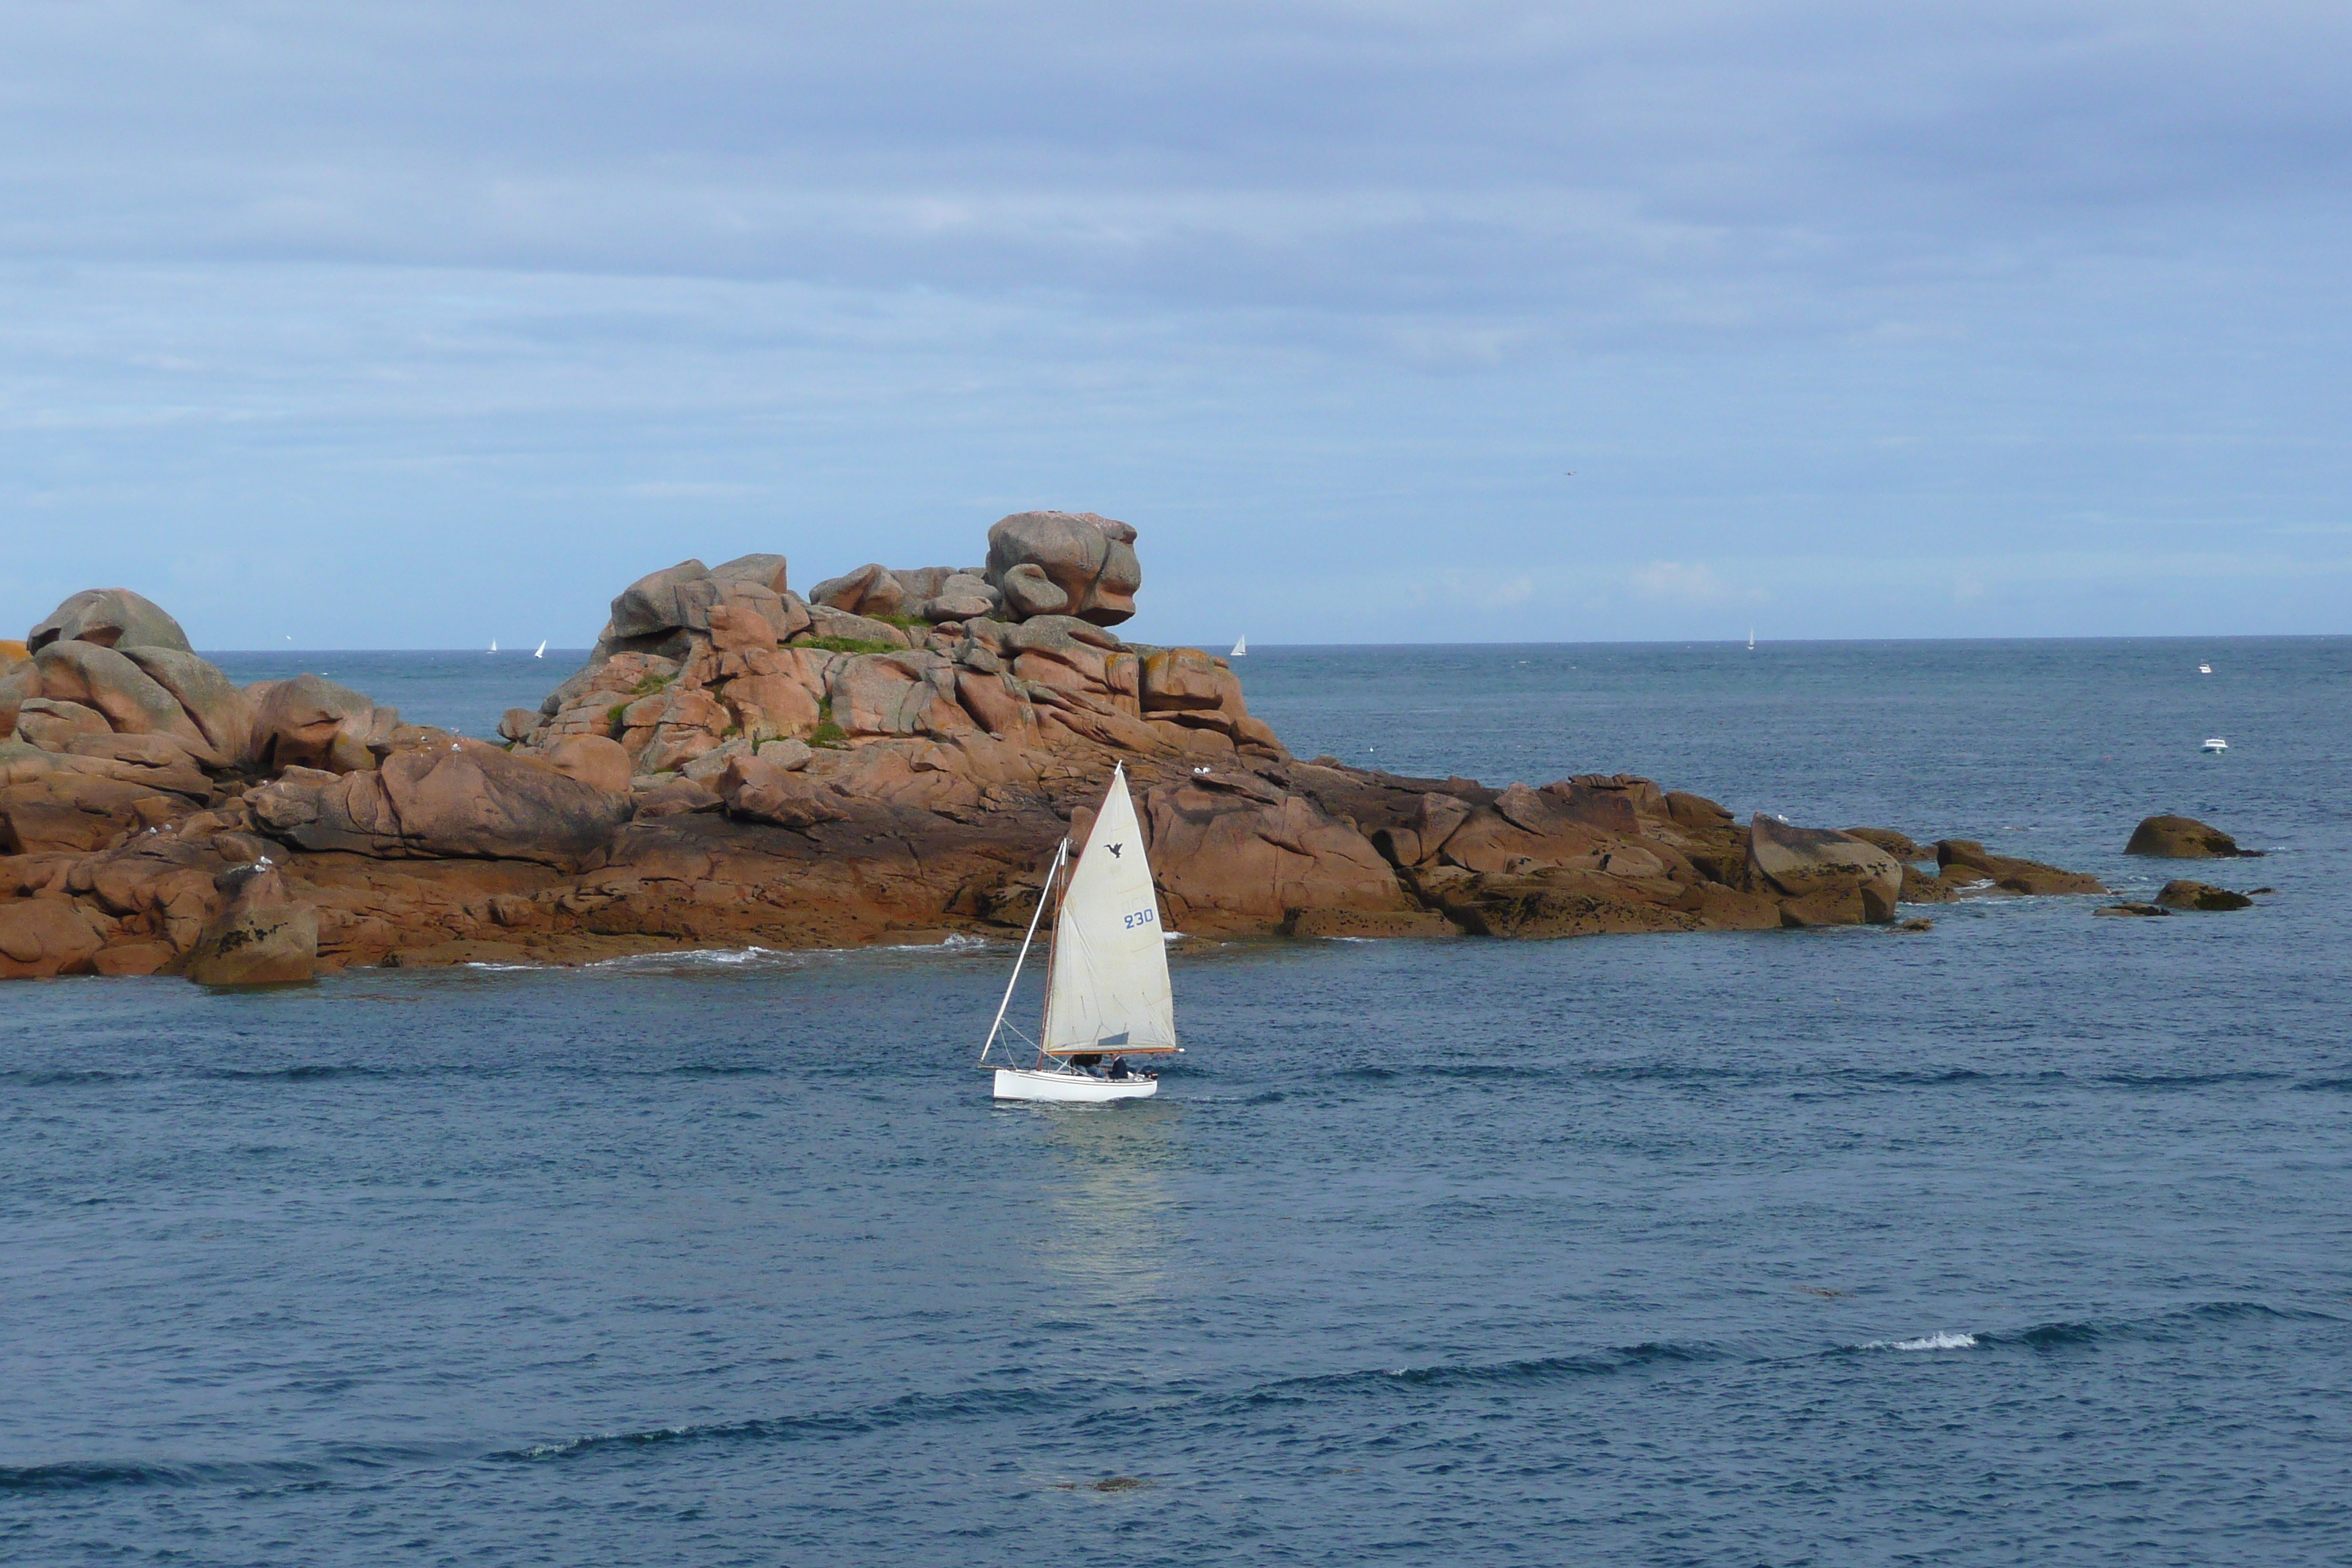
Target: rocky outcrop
{"x":898,"y":755}
{"x":2184,"y":838}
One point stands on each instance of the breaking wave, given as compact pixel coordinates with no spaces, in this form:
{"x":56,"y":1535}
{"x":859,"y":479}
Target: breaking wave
{"x":1935,"y":1342}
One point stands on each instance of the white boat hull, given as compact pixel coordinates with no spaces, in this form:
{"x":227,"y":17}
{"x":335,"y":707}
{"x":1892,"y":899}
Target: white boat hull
{"x":1070,"y":1087}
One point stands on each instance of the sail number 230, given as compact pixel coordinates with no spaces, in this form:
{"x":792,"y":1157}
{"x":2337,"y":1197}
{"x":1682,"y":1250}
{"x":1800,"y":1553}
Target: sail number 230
{"x":1142,"y":918}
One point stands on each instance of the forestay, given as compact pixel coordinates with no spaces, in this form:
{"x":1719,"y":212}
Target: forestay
{"x":1109,"y":987}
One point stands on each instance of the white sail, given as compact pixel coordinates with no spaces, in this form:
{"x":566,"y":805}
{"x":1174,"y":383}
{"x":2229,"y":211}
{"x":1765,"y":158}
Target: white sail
{"x":494,"y":644}
{"x":1109,"y":986}
{"x":540,"y":651}
{"x":1241,"y":647}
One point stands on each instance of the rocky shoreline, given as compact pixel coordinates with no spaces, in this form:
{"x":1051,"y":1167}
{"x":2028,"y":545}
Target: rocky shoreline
{"x":892,"y":757}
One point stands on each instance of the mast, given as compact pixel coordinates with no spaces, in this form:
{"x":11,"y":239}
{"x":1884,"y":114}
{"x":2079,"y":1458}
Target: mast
{"x":1045,"y":1010}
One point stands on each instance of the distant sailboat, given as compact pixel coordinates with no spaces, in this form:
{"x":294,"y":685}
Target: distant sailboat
{"x":540,"y":651}
{"x":494,"y":644}
{"x":1241,"y":647}
{"x":1107,"y":993}
{"x":1752,"y":639}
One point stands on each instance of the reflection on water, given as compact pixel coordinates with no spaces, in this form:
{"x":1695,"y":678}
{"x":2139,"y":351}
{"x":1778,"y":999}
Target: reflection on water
{"x":1112,"y":1229}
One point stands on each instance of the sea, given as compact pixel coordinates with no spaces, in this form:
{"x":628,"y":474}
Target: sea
{"x":2026,"y":1238}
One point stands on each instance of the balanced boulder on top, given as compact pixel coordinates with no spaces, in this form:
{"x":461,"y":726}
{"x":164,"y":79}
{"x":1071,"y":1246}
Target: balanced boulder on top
{"x":109,"y":618}
{"x":1066,"y":563}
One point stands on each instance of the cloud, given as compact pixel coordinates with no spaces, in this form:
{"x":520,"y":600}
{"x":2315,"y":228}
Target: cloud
{"x":1291,"y":285}
{"x":1693,"y":582}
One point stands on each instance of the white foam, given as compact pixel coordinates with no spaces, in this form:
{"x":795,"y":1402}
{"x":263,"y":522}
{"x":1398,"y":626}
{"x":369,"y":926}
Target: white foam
{"x":1936,"y":1341}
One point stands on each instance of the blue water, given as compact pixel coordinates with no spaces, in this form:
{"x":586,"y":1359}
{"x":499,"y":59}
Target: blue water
{"x":2024,"y":1239}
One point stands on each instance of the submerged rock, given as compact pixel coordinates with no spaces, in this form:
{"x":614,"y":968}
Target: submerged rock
{"x":2187,"y":895}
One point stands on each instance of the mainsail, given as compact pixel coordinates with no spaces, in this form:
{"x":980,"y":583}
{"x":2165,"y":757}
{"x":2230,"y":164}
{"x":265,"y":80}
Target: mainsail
{"x":1109,"y":986}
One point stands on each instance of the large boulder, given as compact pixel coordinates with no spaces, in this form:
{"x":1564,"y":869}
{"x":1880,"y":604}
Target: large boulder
{"x":46,"y":936}
{"x":1187,"y":680}
{"x":2171,"y":837}
{"x":471,"y":799}
{"x":312,"y":722}
{"x":908,"y":693}
{"x":98,"y":676}
{"x":679,"y":595}
{"x":961,"y":596}
{"x":1233,"y":855}
{"x":871,"y":590}
{"x":52,"y":725}
{"x":596,"y":761}
{"x":846,"y":626}
{"x":108,"y":617}
{"x":262,"y":938}
{"x":53,"y":802}
{"x":1027,"y":592}
{"x":763,"y":791}
{"x":1089,"y":558}
{"x":221,"y":708}
{"x":1827,"y":878}
{"x":765,"y":570}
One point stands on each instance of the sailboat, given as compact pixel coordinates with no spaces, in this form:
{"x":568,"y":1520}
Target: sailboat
{"x":1241,"y":647}
{"x":1107,"y":995}
{"x":540,"y":651}
{"x":1752,"y":639}
{"x":494,"y":644}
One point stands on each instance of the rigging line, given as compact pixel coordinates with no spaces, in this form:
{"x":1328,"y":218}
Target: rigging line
{"x":1032,"y":935}
{"x":1053,"y":936}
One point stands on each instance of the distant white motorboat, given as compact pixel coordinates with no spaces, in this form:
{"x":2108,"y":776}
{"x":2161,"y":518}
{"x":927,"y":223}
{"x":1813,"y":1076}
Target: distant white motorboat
{"x":2204,"y":670}
{"x":1241,"y":647}
{"x":494,"y":644}
{"x":1106,"y":994}
{"x":540,"y":651}
{"x":2216,"y":745}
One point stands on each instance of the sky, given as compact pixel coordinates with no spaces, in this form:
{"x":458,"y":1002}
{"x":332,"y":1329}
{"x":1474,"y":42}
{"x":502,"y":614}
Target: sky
{"x":417,"y":325}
